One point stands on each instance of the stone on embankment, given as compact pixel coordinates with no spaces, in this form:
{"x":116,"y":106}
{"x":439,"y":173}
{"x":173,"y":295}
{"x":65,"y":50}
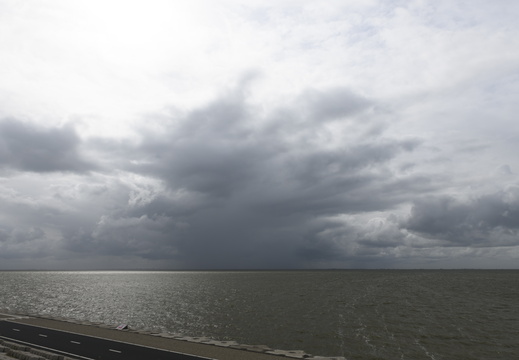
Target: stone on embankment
{"x":221,"y":343}
{"x":23,"y":355}
{"x":258,"y":348}
{"x":46,"y":354}
{"x":296,"y":354}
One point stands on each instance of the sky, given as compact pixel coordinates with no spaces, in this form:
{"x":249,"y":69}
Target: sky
{"x":259,"y":134}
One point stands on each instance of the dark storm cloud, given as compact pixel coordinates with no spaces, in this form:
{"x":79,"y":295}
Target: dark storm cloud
{"x":249,"y":189}
{"x":225,"y":149}
{"x":229,"y":185}
{"x":19,"y":243}
{"x":489,"y":220}
{"x":148,"y":238}
{"x":28,"y":147}
{"x":332,"y":104}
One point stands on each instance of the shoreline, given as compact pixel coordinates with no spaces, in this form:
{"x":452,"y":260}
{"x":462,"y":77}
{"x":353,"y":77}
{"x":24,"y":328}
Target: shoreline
{"x":201,"y":346}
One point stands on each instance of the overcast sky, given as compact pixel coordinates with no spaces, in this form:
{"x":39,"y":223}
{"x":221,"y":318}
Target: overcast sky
{"x":259,"y":134}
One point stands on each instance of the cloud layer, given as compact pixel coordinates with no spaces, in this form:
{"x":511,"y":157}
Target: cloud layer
{"x":26,"y":147}
{"x":336,"y":140}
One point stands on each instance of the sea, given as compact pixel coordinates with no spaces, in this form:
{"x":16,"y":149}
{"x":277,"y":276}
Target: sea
{"x":357,"y":314}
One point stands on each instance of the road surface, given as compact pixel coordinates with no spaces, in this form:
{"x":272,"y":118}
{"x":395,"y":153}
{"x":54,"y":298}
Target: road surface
{"x":86,"y":347}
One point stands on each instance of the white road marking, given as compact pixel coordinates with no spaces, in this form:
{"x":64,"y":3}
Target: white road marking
{"x":115,"y":351}
{"x":75,"y":342}
{"x":94,"y":337}
{"x":42,"y":335}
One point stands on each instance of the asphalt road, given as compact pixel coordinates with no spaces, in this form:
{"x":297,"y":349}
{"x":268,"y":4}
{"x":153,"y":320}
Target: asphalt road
{"x":86,"y":346}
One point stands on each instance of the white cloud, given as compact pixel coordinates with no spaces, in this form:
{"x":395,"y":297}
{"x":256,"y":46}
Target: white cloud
{"x":189,"y":134}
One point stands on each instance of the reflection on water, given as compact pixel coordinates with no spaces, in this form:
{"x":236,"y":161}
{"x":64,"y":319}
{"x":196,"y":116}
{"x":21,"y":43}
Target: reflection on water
{"x":357,"y":314}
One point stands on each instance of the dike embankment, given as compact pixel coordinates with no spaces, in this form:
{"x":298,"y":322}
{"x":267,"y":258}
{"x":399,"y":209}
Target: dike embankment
{"x":197,"y":346}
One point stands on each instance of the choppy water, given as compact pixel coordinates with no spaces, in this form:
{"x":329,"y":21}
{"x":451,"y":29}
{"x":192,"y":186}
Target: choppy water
{"x":374,"y":314}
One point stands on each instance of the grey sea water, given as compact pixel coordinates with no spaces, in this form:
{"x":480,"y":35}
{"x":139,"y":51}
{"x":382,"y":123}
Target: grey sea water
{"x":373,"y":314}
